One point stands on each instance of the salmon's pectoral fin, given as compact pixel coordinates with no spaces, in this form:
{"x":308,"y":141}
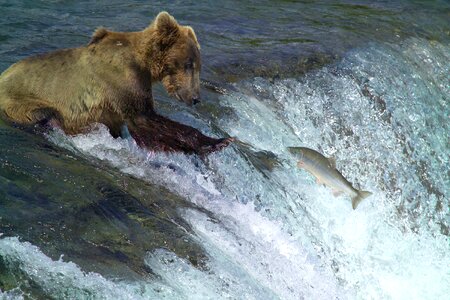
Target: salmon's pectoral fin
{"x":336,"y":193}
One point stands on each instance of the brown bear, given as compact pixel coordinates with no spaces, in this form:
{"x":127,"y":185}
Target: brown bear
{"x":109,"y":81}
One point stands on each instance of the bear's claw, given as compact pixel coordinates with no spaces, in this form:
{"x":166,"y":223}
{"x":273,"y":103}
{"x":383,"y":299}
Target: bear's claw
{"x":218,"y":145}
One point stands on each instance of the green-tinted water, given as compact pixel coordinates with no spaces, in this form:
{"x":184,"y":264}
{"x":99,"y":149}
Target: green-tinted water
{"x":367,"y":82}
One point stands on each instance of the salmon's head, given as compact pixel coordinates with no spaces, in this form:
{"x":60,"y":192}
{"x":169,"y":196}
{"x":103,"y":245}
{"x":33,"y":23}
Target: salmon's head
{"x":298,"y":153}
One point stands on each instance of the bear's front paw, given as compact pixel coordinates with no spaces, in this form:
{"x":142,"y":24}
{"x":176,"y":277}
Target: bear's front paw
{"x":219,"y":144}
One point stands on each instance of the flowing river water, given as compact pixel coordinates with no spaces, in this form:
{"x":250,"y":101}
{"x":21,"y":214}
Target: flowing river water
{"x":367,"y":82}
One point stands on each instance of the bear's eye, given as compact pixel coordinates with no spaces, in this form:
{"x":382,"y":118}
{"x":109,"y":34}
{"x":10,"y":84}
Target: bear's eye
{"x":189,"y":65}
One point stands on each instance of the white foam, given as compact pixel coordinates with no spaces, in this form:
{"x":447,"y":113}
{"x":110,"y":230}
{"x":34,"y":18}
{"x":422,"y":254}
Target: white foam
{"x":65,"y":280}
{"x":278,"y":255}
{"x":286,"y":237}
{"x":327,"y":111}
{"x":14,"y":294}
{"x":264,"y":252}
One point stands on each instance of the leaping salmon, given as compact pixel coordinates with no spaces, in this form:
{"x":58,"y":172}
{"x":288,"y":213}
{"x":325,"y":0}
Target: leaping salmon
{"x":324,"y":169}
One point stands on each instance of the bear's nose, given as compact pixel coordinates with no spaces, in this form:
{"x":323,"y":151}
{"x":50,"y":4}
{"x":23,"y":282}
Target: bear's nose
{"x":196,"y":100}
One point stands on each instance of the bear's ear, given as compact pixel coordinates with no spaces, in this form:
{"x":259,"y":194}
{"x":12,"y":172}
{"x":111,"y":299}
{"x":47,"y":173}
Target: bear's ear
{"x":191,"y":34}
{"x":98,"y":35}
{"x":167,"y":28}
{"x":166,"y":24}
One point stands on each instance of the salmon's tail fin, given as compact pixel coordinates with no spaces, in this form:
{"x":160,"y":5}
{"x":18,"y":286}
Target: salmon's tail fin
{"x":359,"y":197}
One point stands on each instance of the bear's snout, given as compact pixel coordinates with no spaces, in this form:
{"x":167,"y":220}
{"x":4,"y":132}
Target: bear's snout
{"x":187,"y":97}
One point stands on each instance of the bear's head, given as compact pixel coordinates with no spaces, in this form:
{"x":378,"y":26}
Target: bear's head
{"x":178,"y":54}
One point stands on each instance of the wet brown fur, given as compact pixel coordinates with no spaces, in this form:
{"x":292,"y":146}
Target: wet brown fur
{"x":110,"y":81}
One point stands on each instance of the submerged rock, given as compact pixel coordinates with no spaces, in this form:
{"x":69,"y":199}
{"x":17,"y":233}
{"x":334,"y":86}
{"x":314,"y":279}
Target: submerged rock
{"x":102,"y":220}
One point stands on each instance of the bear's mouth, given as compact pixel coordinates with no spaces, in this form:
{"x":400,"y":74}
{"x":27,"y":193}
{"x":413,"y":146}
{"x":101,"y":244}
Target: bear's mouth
{"x":180,"y":98}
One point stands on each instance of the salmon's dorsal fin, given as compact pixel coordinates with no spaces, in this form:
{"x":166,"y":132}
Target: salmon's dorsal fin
{"x":332,"y":162}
